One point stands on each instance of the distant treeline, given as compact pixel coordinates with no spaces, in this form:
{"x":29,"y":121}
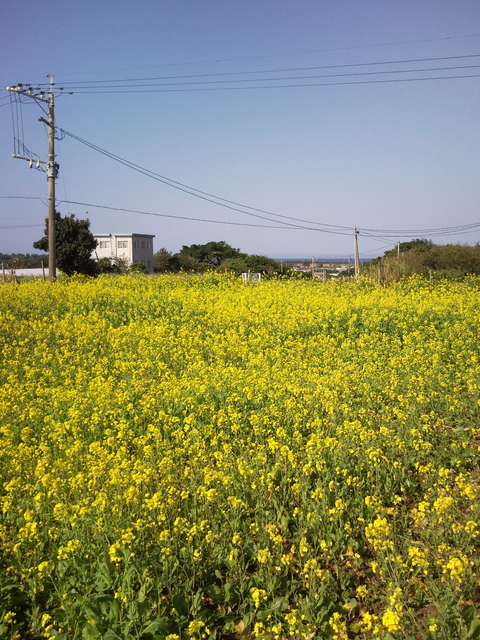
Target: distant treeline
{"x":423,"y":257}
{"x":417,"y":256}
{"x":23,"y":260}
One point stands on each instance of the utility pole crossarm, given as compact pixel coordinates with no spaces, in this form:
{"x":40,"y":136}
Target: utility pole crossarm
{"x":50,"y":164}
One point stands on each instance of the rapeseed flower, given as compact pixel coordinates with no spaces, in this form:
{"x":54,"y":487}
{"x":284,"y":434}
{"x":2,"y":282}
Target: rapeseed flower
{"x":179,"y":439}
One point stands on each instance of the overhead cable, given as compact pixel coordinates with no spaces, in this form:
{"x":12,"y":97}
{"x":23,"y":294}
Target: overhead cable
{"x":223,"y":202}
{"x":240,"y":208}
{"x":277,"y":86}
{"x":281,"y":79}
{"x":285,"y":70}
{"x":165,"y":215}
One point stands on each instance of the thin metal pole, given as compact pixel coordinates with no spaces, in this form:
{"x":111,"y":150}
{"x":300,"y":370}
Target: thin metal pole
{"x":357,"y":259}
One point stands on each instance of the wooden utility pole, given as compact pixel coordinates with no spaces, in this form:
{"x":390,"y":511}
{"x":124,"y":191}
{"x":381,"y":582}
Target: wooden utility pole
{"x":50,"y":165}
{"x":355,"y":247}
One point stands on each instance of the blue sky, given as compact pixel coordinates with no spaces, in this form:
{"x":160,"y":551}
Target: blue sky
{"x":376,"y":155}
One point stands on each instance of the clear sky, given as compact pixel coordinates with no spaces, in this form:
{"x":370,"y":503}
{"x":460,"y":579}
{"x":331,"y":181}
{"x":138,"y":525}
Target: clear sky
{"x":366,"y":151}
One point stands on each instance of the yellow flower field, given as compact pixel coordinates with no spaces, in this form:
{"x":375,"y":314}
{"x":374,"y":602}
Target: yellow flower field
{"x":191,"y":457}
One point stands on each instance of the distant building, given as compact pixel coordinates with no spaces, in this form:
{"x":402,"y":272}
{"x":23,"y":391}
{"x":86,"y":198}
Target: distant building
{"x":134,"y":247}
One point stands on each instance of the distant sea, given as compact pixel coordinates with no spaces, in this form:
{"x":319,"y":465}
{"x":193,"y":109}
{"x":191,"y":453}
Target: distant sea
{"x":324,"y":259}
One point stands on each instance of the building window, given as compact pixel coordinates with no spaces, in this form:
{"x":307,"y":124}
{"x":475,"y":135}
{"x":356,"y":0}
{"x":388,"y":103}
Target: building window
{"x":135,"y":244}
{"x":104,"y":244}
{"x":143,"y":244}
{"x":122,"y":244}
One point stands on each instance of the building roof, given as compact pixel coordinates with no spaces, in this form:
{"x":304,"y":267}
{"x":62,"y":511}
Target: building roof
{"x":123,"y":235}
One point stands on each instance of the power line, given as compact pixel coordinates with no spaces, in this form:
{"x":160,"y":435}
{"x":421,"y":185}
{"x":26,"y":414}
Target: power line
{"x":390,"y":244}
{"x":445,"y":231}
{"x":401,"y":235}
{"x":165,"y":215}
{"x":281,"y":55}
{"x":285,"y":70}
{"x":20,"y":198}
{"x":439,"y":231}
{"x":240,"y":208}
{"x":203,"y":195}
{"x":279,"y":86}
{"x":454,"y":229}
{"x":106,"y":85}
{"x":21,"y":226}
{"x":281,"y":79}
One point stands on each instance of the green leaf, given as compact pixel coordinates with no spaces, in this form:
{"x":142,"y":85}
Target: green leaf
{"x":143,"y":608}
{"x":159,"y":624}
{"x":104,"y":597}
{"x":196,"y":602}
{"x":180,"y":604}
{"x":214,"y":592}
{"x":247,"y":618}
{"x":279,"y":604}
{"x":474,"y":630}
{"x":92,"y":610}
{"x":103,"y":579}
{"x":89,"y":632}
{"x":229,"y":623}
{"x":350,"y":606}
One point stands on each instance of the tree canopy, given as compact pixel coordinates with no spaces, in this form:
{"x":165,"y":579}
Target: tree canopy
{"x":213,"y":255}
{"x":74,"y":244}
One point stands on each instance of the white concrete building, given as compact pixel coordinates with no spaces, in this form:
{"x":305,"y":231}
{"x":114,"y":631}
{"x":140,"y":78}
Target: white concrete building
{"x":134,"y":247}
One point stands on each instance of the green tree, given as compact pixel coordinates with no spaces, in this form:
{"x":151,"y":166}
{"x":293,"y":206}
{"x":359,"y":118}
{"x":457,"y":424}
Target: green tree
{"x":262,"y":264}
{"x":137,"y":267}
{"x":74,"y":244}
{"x":236,"y":265}
{"x":116,"y":264}
{"x":162,"y":260}
{"x":419,"y":245}
{"x":256,"y":264}
{"x":212,"y":253}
